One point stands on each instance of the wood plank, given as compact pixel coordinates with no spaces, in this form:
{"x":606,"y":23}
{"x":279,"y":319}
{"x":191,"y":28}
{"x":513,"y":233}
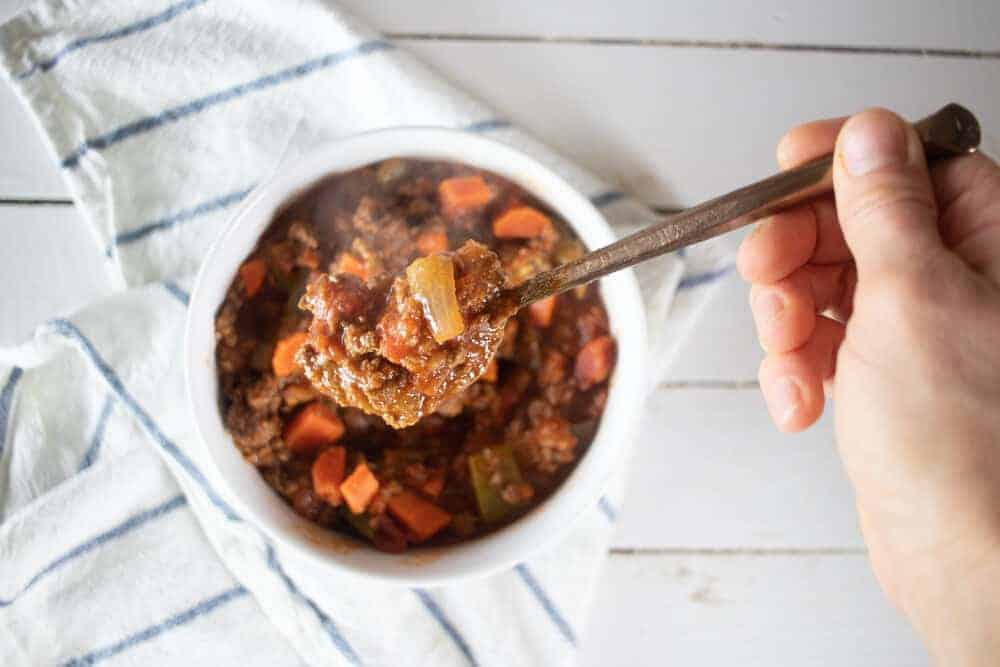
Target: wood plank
{"x":744,"y":610}
{"x":27,"y":170}
{"x":724,"y":347}
{"x":52,"y":268}
{"x":672,"y":125}
{"x":709,"y":470}
{"x":676,"y":126}
{"x":963,"y":24}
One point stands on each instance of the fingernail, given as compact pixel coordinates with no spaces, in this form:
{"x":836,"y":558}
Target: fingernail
{"x":783,"y":398}
{"x":873,"y":141}
{"x":767,"y":308}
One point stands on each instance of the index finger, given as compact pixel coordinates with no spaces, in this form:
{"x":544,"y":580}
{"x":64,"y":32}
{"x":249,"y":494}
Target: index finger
{"x":808,"y":141}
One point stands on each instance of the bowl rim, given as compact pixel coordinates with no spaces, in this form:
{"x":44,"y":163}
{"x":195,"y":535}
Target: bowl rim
{"x":502,"y":549}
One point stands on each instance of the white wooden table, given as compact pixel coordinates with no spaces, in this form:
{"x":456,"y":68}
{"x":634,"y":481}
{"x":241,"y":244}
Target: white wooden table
{"x":737,"y":545}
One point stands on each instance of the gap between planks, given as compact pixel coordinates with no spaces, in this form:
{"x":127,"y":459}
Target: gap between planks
{"x":35,"y":201}
{"x":728,"y":385}
{"x":738,"y":551}
{"x":736,"y":45}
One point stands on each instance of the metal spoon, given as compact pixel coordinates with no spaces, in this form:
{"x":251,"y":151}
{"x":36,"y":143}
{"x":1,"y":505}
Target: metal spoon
{"x":950,"y":132}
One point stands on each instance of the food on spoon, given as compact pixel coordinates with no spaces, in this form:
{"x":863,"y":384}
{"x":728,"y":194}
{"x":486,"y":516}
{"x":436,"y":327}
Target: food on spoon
{"x":402,"y":355}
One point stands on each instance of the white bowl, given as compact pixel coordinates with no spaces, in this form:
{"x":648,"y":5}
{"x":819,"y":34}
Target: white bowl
{"x":431,"y":566}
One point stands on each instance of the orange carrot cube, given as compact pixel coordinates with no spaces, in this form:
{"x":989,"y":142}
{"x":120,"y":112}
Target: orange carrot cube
{"x":359,"y":488}
{"x":328,"y":473}
{"x":283,"y":360}
{"x":463,"y":194}
{"x":421,"y":517}
{"x":522,"y":222}
{"x":314,"y":426}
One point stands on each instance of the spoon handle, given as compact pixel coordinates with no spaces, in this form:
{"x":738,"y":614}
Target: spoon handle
{"x":949,"y":132}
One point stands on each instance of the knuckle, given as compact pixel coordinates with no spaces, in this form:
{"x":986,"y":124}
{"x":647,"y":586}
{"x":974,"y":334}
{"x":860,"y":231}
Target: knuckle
{"x":901,"y":203}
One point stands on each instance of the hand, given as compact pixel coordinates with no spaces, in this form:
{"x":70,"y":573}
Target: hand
{"x":887,"y":295}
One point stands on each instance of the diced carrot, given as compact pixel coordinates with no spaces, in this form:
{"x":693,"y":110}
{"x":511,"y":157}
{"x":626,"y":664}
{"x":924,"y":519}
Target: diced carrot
{"x":314,"y":426}
{"x":252,"y":273}
{"x":283,"y":360}
{"x":491,"y":372}
{"x":432,"y":241}
{"x":328,"y":473}
{"x":594,"y":361}
{"x":463,"y":194}
{"x":435,"y":482}
{"x":421,"y":517}
{"x":540,"y":312}
{"x":521,"y":222}
{"x":359,"y":489}
{"x":348,"y":263}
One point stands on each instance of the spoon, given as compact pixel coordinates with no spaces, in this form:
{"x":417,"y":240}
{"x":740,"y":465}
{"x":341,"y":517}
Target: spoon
{"x":949,"y":132}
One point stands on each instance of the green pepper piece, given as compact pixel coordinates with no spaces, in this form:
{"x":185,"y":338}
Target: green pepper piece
{"x":361,"y":523}
{"x":492,"y":506}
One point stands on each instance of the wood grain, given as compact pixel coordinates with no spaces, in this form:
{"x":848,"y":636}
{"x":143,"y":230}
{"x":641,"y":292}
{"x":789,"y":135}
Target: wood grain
{"x":745,"y":610}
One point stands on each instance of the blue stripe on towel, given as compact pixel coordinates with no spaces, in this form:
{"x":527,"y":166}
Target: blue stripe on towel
{"x":176,"y":113}
{"x":606,"y":198}
{"x":439,"y":615}
{"x":609,"y":510}
{"x":703,"y":278}
{"x":331,"y":628}
{"x":6,"y":400}
{"x":177,"y":292}
{"x":180,"y":217}
{"x":68,"y":330}
{"x":124,"y":31}
{"x":126,"y":526}
{"x":98,"y":437}
{"x":543,"y":599}
{"x":204,"y":607}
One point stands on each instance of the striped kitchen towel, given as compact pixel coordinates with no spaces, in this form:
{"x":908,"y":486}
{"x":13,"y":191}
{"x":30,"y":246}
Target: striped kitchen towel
{"x":116,"y":544}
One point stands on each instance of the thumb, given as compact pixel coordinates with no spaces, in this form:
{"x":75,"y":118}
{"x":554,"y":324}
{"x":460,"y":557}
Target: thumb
{"x":885,"y":200}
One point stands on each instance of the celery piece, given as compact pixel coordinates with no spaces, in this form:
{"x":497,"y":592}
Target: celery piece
{"x":492,"y":507}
